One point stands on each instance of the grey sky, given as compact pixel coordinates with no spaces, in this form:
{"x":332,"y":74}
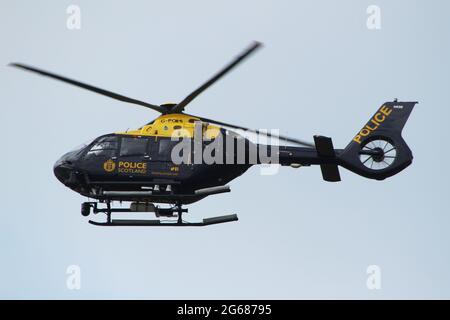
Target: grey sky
{"x":321,"y":72}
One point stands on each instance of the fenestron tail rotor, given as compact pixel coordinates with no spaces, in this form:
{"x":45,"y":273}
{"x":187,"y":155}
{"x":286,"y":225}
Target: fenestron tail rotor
{"x":378,"y":154}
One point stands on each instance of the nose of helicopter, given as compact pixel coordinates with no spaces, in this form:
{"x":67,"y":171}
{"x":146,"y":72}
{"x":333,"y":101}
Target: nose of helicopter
{"x":62,"y":170}
{"x":66,"y":168}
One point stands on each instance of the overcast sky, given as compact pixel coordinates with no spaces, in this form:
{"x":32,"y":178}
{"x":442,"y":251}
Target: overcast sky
{"x":322,"y":71}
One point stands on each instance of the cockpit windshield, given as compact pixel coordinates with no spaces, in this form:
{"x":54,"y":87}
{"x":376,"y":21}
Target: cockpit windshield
{"x":82,"y":146}
{"x":106,"y":147}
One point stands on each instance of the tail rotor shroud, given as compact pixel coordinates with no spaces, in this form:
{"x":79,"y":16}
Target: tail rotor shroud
{"x":378,"y":154}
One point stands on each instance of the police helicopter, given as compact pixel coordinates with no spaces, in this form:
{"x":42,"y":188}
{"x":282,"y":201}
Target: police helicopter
{"x":138,"y":166}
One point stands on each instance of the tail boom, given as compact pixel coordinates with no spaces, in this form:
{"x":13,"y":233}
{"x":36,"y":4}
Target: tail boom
{"x":377,"y":151}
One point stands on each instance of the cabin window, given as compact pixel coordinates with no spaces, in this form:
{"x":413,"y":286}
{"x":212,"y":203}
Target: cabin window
{"x":163,"y":150}
{"x":133,"y":147}
{"x":165,"y":147}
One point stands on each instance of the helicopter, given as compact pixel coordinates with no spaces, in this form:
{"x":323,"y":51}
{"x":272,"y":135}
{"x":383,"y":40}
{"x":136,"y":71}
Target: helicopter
{"x":139,"y":166}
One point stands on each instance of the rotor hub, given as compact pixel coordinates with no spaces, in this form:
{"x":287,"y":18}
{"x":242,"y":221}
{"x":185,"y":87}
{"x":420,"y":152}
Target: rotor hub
{"x":378,"y":154}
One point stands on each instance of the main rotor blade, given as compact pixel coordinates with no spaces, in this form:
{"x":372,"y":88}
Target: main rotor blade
{"x":180,"y":106}
{"x":267,"y":134}
{"x":90,"y":88}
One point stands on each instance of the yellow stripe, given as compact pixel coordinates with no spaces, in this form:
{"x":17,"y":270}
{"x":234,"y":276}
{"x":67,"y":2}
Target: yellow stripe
{"x":174,"y":125}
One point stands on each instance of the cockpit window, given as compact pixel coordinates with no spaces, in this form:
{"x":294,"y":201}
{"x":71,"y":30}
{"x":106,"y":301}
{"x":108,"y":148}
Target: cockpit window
{"x":105,"y":146}
{"x":133,"y":147}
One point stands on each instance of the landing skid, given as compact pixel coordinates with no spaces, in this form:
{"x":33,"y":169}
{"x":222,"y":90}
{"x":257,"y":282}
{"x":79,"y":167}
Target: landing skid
{"x":158,"y":223}
{"x":176,"y":211}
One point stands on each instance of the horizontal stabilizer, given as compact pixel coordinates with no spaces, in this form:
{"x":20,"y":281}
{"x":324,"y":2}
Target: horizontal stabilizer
{"x":324,"y":147}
